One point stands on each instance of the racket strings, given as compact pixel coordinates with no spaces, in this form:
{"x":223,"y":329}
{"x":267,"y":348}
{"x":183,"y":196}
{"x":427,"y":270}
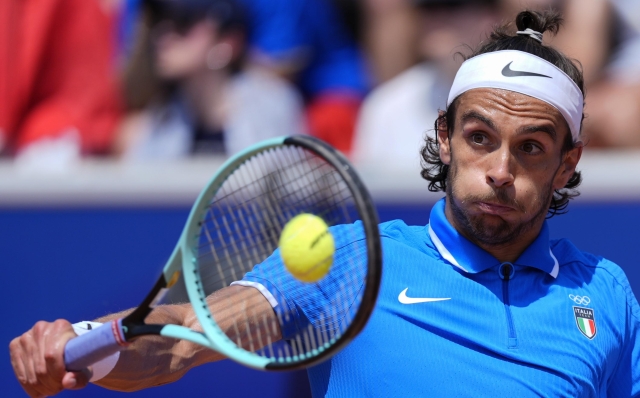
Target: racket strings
{"x":242,"y":226}
{"x":259,"y":247}
{"x":251,"y":250}
{"x":257,"y":176}
{"x":309,"y":197}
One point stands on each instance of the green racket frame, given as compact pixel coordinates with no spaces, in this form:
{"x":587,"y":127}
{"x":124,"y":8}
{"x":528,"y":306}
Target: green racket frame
{"x":89,"y":348}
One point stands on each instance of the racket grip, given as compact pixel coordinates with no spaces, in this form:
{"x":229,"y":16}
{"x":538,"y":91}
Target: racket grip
{"x":91,"y":347}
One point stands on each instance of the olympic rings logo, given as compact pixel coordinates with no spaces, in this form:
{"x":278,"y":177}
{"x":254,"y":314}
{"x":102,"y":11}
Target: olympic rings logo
{"x":581,"y":300}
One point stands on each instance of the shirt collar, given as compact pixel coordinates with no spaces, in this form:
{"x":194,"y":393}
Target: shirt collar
{"x":461,"y":253}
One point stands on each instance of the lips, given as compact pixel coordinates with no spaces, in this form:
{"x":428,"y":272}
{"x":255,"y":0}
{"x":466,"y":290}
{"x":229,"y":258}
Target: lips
{"x":494,"y":208}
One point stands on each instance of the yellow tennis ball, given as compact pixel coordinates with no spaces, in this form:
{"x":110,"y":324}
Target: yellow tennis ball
{"x":307,"y":247}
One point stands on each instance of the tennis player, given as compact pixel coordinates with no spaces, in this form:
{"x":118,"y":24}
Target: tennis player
{"x":479,"y":302}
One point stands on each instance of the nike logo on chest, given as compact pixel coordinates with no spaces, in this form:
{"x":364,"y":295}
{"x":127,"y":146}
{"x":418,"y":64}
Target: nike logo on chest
{"x":404,"y":299}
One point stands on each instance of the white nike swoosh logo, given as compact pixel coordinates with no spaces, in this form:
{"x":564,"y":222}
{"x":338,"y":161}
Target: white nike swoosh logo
{"x":402,"y":297}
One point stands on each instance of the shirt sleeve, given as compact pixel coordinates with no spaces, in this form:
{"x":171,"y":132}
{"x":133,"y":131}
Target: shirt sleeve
{"x":300,"y":305}
{"x":625,"y":380}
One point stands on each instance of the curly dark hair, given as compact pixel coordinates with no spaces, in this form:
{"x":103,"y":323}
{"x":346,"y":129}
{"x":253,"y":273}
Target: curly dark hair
{"x":434,"y":171}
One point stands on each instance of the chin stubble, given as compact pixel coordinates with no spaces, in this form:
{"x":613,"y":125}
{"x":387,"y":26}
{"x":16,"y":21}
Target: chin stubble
{"x":503,"y":233}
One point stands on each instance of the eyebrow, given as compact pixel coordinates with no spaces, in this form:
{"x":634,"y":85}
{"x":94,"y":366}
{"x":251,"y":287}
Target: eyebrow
{"x":533,"y":129}
{"x":473,"y":115}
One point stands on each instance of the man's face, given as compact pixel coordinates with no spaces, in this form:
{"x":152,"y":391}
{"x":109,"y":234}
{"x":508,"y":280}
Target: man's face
{"x":181,"y":53}
{"x":505,"y":158}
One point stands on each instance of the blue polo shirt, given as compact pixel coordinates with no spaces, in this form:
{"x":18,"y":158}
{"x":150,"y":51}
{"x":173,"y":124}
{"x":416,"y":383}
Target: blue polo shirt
{"x":557,"y":322}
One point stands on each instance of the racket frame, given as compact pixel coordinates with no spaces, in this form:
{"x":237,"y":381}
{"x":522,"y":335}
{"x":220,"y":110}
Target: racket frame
{"x":184,"y":258}
{"x":374,"y":270}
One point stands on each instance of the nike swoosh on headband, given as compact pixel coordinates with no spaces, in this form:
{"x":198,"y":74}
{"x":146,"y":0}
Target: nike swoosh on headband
{"x":508,"y":72}
{"x":402,"y":298}
{"x":558,"y":89}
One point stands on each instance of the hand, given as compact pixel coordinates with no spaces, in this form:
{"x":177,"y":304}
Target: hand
{"x":37,"y":358}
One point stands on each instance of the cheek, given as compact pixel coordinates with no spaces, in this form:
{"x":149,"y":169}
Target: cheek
{"x":533,"y":193}
{"x":468,"y":178}
{"x":545,"y":178}
{"x":526,"y":190}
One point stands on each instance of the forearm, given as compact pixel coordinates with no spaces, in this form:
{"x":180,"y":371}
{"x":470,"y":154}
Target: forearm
{"x":37,"y":356}
{"x":154,"y":360}
{"x":241,"y":312}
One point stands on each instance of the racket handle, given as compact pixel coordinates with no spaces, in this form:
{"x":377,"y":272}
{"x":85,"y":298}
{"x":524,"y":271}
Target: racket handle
{"x":91,"y":347}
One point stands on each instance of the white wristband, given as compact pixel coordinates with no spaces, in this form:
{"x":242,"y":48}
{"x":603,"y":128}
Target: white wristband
{"x":104,"y":366}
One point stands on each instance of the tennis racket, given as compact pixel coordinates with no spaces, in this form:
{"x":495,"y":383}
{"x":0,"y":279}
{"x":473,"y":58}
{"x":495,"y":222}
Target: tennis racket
{"x":233,"y":231}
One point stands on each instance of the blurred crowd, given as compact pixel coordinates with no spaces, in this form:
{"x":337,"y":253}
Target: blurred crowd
{"x":167,"y":79}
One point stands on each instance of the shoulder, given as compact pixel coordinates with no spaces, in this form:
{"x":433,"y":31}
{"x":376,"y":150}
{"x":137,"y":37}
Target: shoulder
{"x":410,"y":88}
{"x":255,"y":83}
{"x":394,"y":118}
{"x":572,"y":259}
{"x":395,"y":230}
{"x":413,"y":79}
{"x":398,"y":232}
{"x":261,"y":106}
{"x":597,"y":271}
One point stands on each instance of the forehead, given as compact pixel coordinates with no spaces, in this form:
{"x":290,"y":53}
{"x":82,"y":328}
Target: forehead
{"x":509,"y":107}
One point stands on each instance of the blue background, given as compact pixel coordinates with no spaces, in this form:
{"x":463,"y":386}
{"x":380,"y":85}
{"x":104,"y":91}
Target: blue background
{"x":82,"y":263}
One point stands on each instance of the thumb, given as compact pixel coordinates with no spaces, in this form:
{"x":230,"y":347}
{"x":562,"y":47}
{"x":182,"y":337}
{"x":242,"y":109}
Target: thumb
{"x":76,"y":380}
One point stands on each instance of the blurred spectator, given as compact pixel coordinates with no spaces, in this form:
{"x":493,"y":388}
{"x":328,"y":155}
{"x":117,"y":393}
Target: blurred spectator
{"x":397,"y":114}
{"x":58,"y":96}
{"x":605,"y":37}
{"x":390,"y":34}
{"x":307,"y":43}
{"x":190,"y":90}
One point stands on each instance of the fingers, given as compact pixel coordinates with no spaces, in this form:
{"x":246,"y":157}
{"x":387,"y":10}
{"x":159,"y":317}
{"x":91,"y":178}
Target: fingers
{"x":21,"y":350}
{"x":52,"y":342}
{"x":37,"y":358}
{"x":49,"y":363}
{"x":76,"y":380}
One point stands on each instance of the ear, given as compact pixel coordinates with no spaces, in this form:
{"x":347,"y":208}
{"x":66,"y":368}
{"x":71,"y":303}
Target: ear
{"x":568,"y":167}
{"x":442,"y":135}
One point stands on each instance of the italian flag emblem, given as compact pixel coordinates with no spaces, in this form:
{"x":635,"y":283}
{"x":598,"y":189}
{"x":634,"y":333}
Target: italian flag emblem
{"x":585,"y":321}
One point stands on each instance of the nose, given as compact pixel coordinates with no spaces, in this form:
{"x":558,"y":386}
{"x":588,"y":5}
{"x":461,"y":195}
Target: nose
{"x":499,"y":174}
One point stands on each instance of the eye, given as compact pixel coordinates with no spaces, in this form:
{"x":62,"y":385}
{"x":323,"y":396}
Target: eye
{"x":531,"y":148}
{"x":478,"y":138}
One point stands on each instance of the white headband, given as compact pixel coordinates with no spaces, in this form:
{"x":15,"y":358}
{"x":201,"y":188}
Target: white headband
{"x":526,"y":74}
